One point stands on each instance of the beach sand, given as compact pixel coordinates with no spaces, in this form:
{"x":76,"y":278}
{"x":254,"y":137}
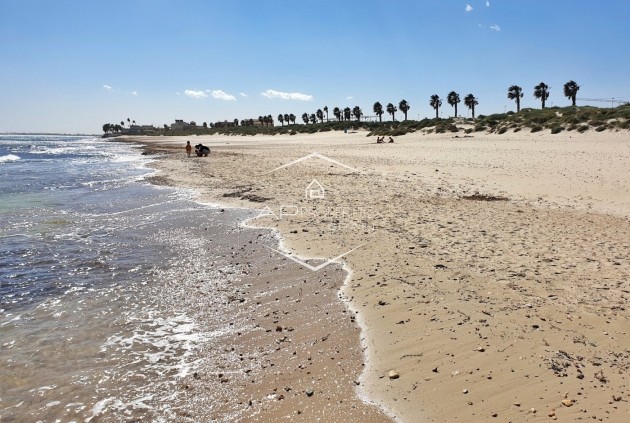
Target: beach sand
{"x":488,"y":274}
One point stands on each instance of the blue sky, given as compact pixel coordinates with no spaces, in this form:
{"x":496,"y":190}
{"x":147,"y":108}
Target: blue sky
{"x":72,"y":65}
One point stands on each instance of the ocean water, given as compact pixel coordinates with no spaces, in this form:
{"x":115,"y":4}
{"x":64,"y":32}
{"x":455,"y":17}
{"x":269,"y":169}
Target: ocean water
{"x":96,"y":323}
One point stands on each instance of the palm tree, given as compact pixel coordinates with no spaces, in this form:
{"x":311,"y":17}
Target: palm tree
{"x":541,"y":91}
{"x":122,"y":123}
{"x":570,"y":90}
{"x":305,"y":118}
{"x":129,"y":121}
{"x":391,"y":109}
{"x":292,"y":118}
{"x":378,"y":110}
{"x":326,"y":110}
{"x":347,"y":113}
{"x":133,"y":121}
{"x":516,"y":93}
{"x":269,"y":120}
{"x":356,"y":112}
{"x":286,"y":118}
{"x":313,"y":118}
{"x":320,"y":115}
{"x":107,"y":127}
{"x":337,"y":113}
{"x":453,"y":100}
{"x":470,"y":101}
{"x":261,"y":120}
{"x":281,"y":119}
{"x":404,"y":107}
{"x":436,"y":103}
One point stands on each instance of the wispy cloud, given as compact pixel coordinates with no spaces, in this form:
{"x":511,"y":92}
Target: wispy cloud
{"x":244,"y":95}
{"x":195,"y":94}
{"x":134,"y":93}
{"x":495,"y":27}
{"x":487,"y":3}
{"x":349,"y":97}
{"x":107,"y":87}
{"x":220,"y":95}
{"x":287,"y":96}
{"x":469,"y":8}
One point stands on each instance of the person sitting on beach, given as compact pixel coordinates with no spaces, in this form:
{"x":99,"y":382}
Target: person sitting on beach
{"x":391,"y":140}
{"x":188,"y":148}
{"x":380,"y":140}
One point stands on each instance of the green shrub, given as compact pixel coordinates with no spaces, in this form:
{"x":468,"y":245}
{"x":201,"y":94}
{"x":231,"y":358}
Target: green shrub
{"x":503,"y":130}
{"x":583,"y":128}
{"x":536,"y":128}
{"x":557,"y":130}
{"x":601,"y":128}
{"x":517,"y":129}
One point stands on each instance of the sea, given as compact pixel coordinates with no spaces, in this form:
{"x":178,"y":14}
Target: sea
{"x":96,"y":265}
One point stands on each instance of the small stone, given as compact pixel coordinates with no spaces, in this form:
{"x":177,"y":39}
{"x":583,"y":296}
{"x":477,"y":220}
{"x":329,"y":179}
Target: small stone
{"x":567,"y":402}
{"x":495,"y":414}
{"x":278,"y":328}
{"x":481,"y":349}
{"x":465,"y":391}
{"x":533,"y":410}
{"x":393,"y":374}
{"x":435,"y":370}
{"x":516,"y":404}
{"x":309,"y":392}
{"x":552,"y":414}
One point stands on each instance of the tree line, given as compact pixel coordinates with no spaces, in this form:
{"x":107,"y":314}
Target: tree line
{"x":541,"y":91}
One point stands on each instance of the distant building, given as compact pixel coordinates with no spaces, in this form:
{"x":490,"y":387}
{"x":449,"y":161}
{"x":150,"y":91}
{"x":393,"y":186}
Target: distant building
{"x":139,"y":130}
{"x":180,"y":125}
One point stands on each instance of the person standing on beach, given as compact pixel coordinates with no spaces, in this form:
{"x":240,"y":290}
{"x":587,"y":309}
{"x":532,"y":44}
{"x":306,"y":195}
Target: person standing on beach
{"x":188,"y":148}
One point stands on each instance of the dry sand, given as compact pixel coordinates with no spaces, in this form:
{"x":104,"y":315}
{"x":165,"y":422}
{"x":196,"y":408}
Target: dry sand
{"x":489,"y":274}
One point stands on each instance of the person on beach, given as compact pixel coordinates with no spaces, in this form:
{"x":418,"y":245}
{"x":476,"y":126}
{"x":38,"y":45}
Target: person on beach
{"x":391,"y":140}
{"x":202,"y":150}
{"x":188,"y":148}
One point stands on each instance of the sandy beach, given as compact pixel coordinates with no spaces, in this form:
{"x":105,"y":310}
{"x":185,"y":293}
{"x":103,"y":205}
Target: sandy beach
{"x":486,"y":277}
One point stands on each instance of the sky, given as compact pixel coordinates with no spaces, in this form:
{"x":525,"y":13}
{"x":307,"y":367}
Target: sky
{"x":69,"y":66}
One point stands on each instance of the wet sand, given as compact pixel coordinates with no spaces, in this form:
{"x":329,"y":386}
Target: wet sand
{"x":489,"y":274}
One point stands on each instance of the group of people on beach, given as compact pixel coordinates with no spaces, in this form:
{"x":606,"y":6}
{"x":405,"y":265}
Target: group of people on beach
{"x":381,"y":140}
{"x":200,"y":150}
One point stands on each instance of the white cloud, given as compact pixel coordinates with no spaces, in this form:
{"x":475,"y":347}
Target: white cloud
{"x":469,"y":8}
{"x":287,"y":96}
{"x":195,"y":94}
{"x":134,"y":93}
{"x":107,"y":87}
{"x":487,"y":3}
{"x":349,"y":97}
{"x":218,"y":94}
{"x":495,"y":27}
{"x":244,"y":95}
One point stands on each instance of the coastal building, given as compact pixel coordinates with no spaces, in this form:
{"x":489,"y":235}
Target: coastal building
{"x":180,"y":125}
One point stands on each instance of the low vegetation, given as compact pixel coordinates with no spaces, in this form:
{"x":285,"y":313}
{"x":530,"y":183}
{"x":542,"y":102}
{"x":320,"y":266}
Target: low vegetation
{"x":554,"y":119}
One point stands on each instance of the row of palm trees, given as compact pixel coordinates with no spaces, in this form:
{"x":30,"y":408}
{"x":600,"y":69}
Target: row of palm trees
{"x":541,"y":91}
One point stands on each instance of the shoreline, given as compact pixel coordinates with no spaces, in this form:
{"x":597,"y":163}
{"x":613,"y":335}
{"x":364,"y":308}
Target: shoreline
{"x":359,"y":287}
